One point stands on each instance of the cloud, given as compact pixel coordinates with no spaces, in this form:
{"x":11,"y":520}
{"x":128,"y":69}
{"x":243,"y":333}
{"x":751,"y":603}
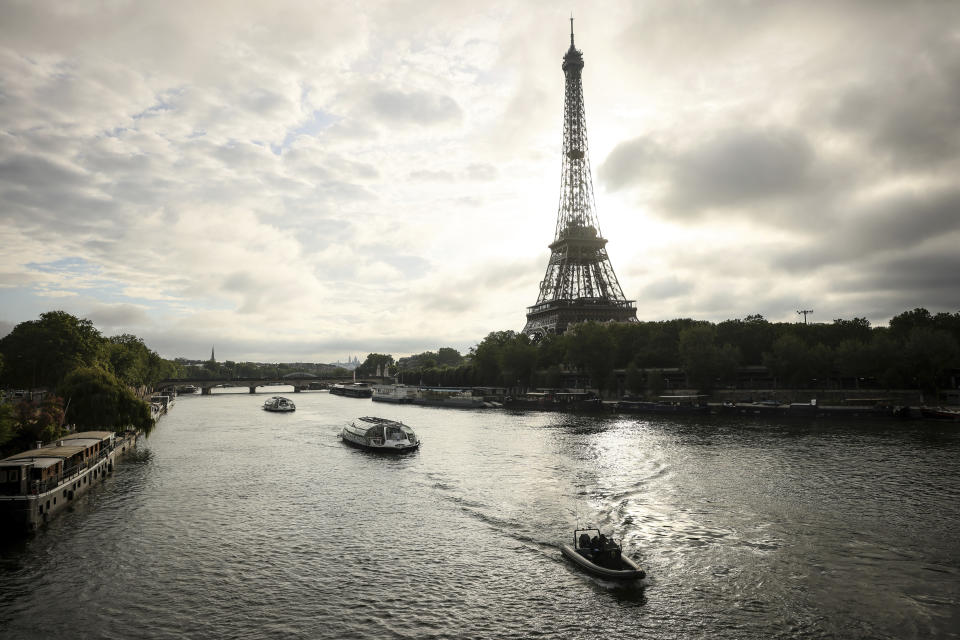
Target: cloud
{"x":122,"y":316}
{"x":893,"y":223}
{"x":734,"y":168}
{"x":274,"y":178}
{"x":481,"y":172}
{"x":414,"y":107}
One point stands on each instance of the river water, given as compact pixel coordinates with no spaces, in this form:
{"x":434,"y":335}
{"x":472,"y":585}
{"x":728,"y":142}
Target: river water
{"x":231,"y":522}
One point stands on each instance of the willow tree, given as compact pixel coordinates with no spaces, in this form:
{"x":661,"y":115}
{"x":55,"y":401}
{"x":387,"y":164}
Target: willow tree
{"x":96,"y":399}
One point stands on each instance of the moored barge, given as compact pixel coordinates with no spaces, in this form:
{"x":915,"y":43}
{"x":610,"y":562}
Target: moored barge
{"x":37,"y":484}
{"x":352,"y":390}
{"x":395,"y":393}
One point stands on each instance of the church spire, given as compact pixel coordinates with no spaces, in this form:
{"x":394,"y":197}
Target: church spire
{"x":213,"y":357}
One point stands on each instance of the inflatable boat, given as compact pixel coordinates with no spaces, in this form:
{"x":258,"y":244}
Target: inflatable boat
{"x":601,"y":556}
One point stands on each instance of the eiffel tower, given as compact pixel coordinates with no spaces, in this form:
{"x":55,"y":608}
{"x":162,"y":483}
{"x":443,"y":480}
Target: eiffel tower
{"x":580,"y":284}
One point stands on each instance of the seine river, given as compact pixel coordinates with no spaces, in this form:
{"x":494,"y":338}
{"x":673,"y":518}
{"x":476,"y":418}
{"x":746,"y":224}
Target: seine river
{"x":231,"y":522}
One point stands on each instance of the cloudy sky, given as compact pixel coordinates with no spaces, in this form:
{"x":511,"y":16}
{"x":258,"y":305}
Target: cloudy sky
{"x":314,"y":180}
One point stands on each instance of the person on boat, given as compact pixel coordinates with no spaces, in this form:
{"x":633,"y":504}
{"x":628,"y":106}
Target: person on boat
{"x":600,"y":555}
{"x":611,"y":554}
{"x":584,"y":541}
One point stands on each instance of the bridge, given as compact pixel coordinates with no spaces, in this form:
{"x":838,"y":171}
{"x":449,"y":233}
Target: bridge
{"x":299,"y":383}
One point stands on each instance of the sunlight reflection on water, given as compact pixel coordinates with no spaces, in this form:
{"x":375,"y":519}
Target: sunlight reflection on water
{"x":231,"y":521}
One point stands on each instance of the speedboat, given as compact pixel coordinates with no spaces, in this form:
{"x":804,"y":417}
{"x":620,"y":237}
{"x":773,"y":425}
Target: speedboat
{"x":279,"y":404}
{"x":601,"y":556}
{"x":380,"y":434}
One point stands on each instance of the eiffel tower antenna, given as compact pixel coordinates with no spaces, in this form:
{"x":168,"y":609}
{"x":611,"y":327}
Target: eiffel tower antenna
{"x":579,"y":284}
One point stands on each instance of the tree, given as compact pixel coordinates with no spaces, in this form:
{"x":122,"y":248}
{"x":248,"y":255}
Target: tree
{"x":752,"y":336}
{"x":592,"y":348}
{"x":703,"y":361}
{"x":518,"y":358}
{"x":787,"y":359}
{"x":929,"y":353}
{"x":857,"y":329}
{"x":27,"y":423}
{"x":448,"y":357}
{"x":487,"y":356}
{"x":40,"y":353}
{"x":903,"y":324}
{"x":98,"y":400}
{"x":634,"y":379}
{"x":854,"y":359}
{"x":375,"y":362}
{"x":8,"y":426}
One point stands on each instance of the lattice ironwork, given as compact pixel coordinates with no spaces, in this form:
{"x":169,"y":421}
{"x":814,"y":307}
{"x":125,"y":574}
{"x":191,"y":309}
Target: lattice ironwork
{"x":579,"y":284}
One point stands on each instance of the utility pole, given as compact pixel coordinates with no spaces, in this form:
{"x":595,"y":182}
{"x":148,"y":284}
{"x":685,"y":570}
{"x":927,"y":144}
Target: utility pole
{"x":804,"y":312}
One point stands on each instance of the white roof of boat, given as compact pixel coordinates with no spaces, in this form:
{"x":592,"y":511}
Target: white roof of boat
{"x":101,"y":435}
{"x":81,"y":442}
{"x":42,"y":463}
{"x":50,"y":452}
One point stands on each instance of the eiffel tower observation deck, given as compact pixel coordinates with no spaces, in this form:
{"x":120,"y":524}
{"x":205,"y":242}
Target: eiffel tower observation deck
{"x":580,"y":284}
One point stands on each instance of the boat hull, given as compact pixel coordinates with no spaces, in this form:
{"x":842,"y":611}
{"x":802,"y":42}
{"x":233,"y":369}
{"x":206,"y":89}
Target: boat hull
{"x":633,"y":572}
{"x":360,"y":443}
{"x":393,"y":400}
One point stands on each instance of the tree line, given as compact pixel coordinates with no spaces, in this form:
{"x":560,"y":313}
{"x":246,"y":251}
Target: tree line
{"x":100,"y":381}
{"x":96,"y":381}
{"x":917,"y":350}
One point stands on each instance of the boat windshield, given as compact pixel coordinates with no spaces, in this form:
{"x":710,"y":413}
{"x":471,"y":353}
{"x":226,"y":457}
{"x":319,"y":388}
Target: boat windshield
{"x":395,"y":433}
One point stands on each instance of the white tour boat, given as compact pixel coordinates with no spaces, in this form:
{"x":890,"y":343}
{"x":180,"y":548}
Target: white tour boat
{"x":380,"y":434}
{"x":279,"y":404}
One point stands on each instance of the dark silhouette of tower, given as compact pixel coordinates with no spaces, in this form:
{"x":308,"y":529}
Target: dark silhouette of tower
{"x":580,"y":284}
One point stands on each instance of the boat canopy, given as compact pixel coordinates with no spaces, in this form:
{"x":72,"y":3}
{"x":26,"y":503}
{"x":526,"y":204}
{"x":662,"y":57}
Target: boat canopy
{"x":371,"y":427}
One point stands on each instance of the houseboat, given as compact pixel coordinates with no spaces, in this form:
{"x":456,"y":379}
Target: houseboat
{"x":685,"y":404}
{"x":395,"y":393}
{"x":37,"y":484}
{"x":380,"y":434}
{"x":352,"y":390}
{"x":443,"y":397}
{"x":279,"y":404}
{"x":552,"y":400}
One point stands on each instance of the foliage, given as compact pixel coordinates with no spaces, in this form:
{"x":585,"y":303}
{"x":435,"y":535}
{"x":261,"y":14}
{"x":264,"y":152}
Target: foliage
{"x":929,"y":352}
{"x":8,"y":425}
{"x":448,"y":357}
{"x":40,"y":353}
{"x":518,"y":359}
{"x":135,"y":364}
{"x":592,"y":348}
{"x":841,"y":353}
{"x":375,"y":362}
{"x":26,"y":423}
{"x":705,"y":362}
{"x":98,"y":400}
